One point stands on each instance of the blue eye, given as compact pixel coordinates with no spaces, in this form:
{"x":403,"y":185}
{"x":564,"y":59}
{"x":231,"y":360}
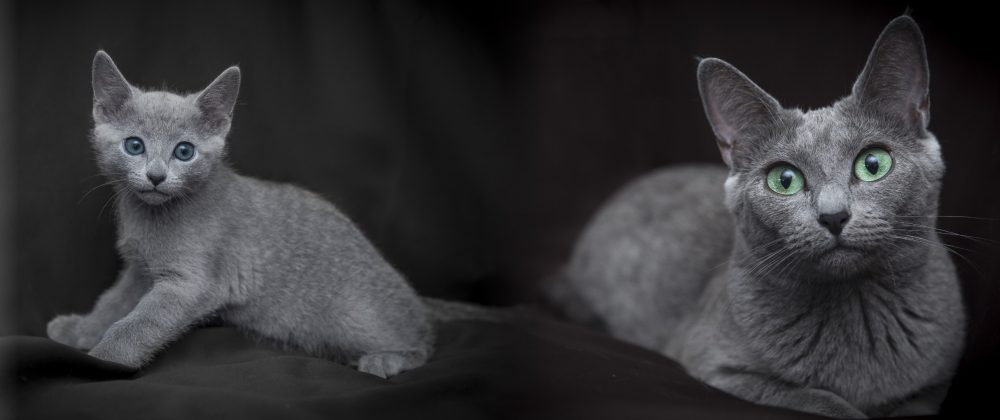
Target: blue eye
{"x":184,"y":151}
{"x":134,"y":146}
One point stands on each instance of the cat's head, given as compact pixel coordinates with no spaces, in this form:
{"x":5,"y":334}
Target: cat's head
{"x":838,"y":188}
{"x":159,"y":146}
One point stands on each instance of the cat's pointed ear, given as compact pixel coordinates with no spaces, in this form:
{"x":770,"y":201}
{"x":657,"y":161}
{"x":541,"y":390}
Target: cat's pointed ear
{"x":216,"y":102}
{"x":736,"y":107}
{"x":896,"y":78}
{"x":111,"y":90}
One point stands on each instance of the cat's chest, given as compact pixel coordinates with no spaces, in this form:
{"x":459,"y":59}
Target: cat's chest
{"x":860,"y":344}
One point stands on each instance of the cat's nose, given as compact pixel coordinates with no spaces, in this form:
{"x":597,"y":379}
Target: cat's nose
{"x":834,"y":222}
{"x":155,"y":177}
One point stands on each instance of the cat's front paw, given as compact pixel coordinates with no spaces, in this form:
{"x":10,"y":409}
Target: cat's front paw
{"x":62,"y":329}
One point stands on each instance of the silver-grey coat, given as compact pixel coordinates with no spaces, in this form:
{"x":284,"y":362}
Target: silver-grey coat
{"x":756,"y":292}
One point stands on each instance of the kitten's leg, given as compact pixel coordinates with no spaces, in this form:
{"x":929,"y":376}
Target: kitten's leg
{"x":765,"y":390}
{"x":161,"y":316}
{"x":85,"y":331}
{"x":390,"y":363}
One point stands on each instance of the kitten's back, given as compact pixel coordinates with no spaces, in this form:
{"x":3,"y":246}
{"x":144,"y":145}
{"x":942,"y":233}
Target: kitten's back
{"x":316,"y":280}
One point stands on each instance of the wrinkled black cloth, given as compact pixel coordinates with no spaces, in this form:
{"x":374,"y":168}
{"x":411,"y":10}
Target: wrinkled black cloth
{"x":543,"y":369}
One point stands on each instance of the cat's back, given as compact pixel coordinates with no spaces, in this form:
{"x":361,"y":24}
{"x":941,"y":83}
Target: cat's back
{"x":643,"y":260}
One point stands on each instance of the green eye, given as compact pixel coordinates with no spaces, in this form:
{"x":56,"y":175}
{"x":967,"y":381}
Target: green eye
{"x":872,"y":164}
{"x":784,"y":179}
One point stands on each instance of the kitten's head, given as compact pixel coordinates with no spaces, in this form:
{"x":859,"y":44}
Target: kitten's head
{"x":159,"y":146}
{"x":840,"y":188}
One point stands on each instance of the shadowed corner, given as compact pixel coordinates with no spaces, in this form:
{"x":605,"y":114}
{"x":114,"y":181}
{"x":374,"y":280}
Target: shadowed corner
{"x":6,"y":202}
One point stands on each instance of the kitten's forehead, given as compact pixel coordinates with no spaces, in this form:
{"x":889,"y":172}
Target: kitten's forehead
{"x":164,"y":107}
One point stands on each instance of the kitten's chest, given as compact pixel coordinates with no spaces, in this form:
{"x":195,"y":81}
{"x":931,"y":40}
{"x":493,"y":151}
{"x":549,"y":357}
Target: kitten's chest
{"x":159,"y":242}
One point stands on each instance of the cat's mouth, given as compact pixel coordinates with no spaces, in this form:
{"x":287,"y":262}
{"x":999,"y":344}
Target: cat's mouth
{"x":153,"y":196}
{"x":840,"y":253}
{"x":839,"y":245}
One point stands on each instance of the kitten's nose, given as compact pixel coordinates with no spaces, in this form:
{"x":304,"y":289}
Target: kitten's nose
{"x":834,"y":222}
{"x":155,"y":177}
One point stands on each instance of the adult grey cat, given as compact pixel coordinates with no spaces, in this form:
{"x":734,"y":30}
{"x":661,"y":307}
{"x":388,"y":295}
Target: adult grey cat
{"x":808,"y":275}
{"x":197,"y":238}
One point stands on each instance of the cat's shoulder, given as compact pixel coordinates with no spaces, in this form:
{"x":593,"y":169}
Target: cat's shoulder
{"x":680,"y":178}
{"x":673,"y":186}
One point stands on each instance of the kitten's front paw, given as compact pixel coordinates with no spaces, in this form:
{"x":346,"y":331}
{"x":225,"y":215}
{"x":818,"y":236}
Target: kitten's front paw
{"x":75,"y":331}
{"x":106,"y":350}
{"x":62,"y":329}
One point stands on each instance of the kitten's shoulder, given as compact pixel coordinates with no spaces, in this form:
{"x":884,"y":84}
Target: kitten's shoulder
{"x":292,"y":201}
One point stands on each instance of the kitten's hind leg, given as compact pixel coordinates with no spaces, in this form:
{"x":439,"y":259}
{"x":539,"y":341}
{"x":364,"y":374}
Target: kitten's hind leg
{"x":385,"y":364}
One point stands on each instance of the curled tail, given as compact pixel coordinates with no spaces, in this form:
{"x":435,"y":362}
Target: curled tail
{"x":446,"y":310}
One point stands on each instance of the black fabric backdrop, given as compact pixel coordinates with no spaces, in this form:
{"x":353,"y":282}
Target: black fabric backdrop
{"x":470,"y":140}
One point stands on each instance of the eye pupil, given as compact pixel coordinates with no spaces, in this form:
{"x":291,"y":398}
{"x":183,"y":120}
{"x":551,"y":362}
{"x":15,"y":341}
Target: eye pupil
{"x":786,"y":178}
{"x":871,"y":164}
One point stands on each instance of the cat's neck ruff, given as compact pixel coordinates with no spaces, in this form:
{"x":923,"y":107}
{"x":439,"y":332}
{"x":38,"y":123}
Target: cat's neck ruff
{"x":838,"y":334}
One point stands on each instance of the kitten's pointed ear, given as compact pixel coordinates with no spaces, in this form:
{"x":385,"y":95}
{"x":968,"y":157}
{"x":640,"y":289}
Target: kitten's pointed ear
{"x":216,"y":102}
{"x":111,"y":90}
{"x":736,"y":107}
{"x":896,"y":78}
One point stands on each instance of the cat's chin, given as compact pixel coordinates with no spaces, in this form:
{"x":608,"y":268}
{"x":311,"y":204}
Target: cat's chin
{"x":153,"y":197}
{"x":842,"y":260}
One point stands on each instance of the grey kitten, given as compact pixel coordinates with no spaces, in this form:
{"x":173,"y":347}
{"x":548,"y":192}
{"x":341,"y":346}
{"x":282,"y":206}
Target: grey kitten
{"x":197,"y":238}
{"x":808,"y":275}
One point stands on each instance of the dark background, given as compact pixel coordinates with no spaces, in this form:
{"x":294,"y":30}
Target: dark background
{"x":471,"y":141}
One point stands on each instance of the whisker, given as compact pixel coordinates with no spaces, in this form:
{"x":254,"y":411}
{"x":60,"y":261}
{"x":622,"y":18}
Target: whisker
{"x":751,"y":251}
{"x":113,"y":181}
{"x":951,"y":233}
{"x":117,"y":194}
{"x":946,"y":247}
{"x":950,"y":217}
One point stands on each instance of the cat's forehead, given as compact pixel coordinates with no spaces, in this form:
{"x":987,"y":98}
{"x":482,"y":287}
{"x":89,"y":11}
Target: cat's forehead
{"x":824,"y":136}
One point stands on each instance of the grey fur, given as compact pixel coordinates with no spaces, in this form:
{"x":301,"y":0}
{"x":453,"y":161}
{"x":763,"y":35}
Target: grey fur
{"x":748,"y":291}
{"x":273,"y":259}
